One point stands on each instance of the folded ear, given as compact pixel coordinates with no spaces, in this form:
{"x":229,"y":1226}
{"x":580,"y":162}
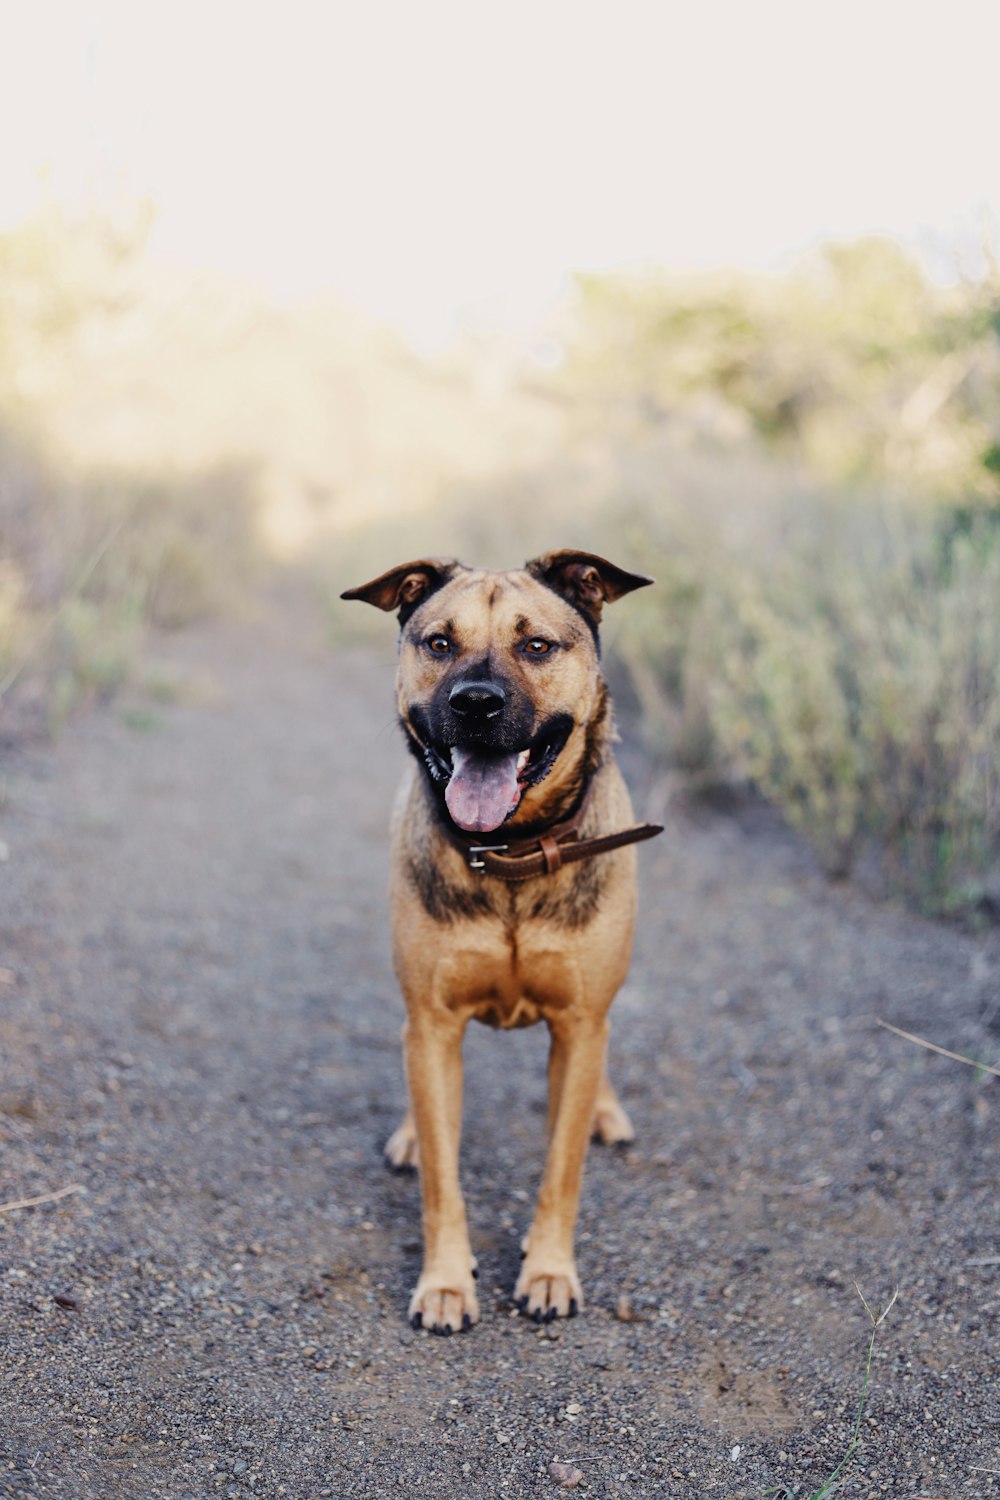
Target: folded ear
{"x":587,"y":581}
{"x":405,"y":587}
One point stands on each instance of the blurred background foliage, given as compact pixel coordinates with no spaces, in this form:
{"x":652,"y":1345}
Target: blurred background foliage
{"x":809,"y":464}
{"x":852,"y":363}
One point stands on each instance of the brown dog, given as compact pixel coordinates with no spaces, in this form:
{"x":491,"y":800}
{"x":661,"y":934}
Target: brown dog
{"x":513,"y":896}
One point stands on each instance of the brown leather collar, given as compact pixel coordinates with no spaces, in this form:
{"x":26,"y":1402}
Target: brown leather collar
{"x":545,"y":852}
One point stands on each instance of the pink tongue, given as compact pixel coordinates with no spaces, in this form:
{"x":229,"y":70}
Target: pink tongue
{"x":483,"y":789}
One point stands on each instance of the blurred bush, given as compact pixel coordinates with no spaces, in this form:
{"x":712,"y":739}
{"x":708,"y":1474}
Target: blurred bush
{"x":93,"y":548}
{"x":853,"y":363}
{"x":87,"y":563}
{"x":833,"y":636}
{"x":855,"y":682}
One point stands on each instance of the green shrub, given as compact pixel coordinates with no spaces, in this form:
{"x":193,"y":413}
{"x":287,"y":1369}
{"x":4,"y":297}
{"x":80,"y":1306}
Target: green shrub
{"x":780,"y":710}
{"x":855,"y":681}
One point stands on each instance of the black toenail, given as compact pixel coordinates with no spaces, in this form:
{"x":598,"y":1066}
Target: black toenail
{"x":522,"y":1302}
{"x":475,"y":1273}
{"x":538,"y":1314}
{"x":417,"y":1321}
{"x":466,"y":1322}
{"x":447,"y":1330}
{"x":573,"y":1309}
{"x":551,"y":1315}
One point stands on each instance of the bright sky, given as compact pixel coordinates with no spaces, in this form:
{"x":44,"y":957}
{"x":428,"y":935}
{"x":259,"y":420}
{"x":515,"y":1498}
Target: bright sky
{"x":424,"y":157}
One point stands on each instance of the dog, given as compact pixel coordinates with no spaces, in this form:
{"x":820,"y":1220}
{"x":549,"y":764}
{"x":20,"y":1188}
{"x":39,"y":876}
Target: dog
{"x":513,"y":885}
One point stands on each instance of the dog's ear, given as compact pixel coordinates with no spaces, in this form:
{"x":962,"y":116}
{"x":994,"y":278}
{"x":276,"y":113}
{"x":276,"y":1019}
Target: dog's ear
{"x":405,"y":587}
{"x":585,"y":580}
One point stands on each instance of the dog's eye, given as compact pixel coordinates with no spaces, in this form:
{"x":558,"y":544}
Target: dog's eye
{"x":537,"y":647}
{"x":439,"y":644}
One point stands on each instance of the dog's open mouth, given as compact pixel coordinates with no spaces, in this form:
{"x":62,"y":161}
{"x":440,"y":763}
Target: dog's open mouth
{"x":483,"y":787}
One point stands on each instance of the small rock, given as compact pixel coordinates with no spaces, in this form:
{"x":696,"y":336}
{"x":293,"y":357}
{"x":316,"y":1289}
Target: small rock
{"x":565,"y":1475}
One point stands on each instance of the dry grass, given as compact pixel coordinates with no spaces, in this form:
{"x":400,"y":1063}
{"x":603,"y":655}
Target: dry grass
{"x":876,"y":1318}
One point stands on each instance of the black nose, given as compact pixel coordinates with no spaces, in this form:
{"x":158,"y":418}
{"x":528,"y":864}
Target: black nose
{"x":476,"y":700}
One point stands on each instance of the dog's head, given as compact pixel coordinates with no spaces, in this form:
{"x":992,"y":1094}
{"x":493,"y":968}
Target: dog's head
{"x":498,"y":672}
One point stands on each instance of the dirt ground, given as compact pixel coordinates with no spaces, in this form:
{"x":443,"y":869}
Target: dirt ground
{"x":199,"y":1027}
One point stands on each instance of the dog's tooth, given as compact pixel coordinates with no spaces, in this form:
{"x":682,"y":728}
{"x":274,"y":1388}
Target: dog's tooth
{"x":522,"y":759}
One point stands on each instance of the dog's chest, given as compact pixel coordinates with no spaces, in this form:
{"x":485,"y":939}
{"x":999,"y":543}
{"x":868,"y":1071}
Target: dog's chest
{"x":510,"y":981}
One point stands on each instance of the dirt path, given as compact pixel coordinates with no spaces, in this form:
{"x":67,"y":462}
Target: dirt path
{"x":198,"y":1023}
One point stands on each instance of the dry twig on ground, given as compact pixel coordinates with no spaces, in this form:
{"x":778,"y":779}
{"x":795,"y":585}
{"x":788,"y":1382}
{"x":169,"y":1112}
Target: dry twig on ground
{"x":63,"y":1192}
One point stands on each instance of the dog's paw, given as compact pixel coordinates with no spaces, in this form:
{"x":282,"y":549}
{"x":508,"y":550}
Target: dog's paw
{"x":450,"y":1307}
{"x":612,"y":1126}
{"x":402,"y":1153}
{"x":545,"y":1293}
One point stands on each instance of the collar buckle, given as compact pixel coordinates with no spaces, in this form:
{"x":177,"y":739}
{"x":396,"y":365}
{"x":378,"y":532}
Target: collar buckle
{"x":476,"y":849}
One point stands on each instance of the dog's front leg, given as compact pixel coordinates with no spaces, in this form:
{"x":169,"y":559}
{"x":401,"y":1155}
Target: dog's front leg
{"x":548,"y":1286}
{"x":444,"y":1299}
